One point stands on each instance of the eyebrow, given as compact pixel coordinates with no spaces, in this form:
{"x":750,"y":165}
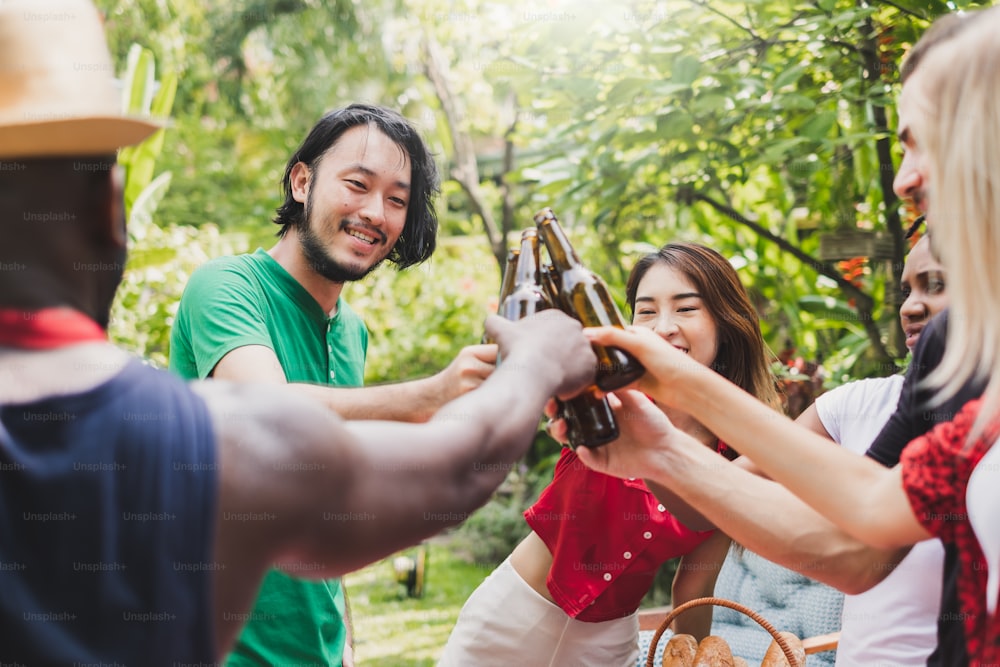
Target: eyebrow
{"x":675,"y":297}
{"x":357,"y":166}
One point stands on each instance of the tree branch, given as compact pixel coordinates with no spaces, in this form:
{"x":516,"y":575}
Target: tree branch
{"x":863,"y":302}
{"x":887,"y":174}
{"x":749,"y":31}
{"x":904,"y":10}
{"x":465,"y":166}
{"x":506,"y":192}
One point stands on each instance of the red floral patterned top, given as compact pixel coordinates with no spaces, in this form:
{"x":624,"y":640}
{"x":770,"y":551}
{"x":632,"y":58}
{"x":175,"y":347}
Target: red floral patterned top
{"x":936,"y":471}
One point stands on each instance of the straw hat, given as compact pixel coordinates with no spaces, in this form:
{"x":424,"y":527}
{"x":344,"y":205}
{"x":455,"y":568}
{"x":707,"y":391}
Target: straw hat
{"x":57,"y":94}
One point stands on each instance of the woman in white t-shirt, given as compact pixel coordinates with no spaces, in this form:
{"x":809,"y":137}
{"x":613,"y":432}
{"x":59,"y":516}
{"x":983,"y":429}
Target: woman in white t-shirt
{"x":893,"y":623}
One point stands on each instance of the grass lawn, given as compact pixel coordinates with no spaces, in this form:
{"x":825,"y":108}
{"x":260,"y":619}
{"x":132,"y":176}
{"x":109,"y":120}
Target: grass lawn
{"x":392,"y":630}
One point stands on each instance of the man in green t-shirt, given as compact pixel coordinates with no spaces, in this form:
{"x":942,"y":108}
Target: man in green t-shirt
{"x":358,"y":190}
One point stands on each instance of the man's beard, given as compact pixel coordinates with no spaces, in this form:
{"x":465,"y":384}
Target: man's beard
{"x":319,"y":260}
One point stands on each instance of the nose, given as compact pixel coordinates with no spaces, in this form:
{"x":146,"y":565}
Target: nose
{"x":372,"y":210}
{"x":665,"y":326}
{"x":913,"y":309}
{"x":908,"y":180}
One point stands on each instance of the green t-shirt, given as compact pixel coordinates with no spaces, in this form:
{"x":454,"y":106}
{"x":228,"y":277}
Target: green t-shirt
{"x":251,"y":300}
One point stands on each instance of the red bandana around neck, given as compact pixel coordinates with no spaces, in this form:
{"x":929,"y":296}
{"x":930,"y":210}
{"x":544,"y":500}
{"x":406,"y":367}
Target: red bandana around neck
{"x":47,"y":329}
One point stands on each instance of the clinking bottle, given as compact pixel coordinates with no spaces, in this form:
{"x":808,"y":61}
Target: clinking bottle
{"x":585,"y":296}
{"x":506,"y":286}
{"x":589,"y":419}
{"x":528,"y":297}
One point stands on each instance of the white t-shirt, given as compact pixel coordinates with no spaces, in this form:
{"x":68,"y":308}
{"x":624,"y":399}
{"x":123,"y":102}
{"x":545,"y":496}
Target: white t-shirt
{"x":894,"y":623}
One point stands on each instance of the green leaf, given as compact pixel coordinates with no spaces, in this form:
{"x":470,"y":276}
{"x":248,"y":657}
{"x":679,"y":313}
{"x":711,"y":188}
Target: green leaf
{"x":789,"y":76}
{"x":794,"y":102}
{"x":674,"y":124}
{"x":781,"y":150}
{"x":139,"y":81}
{"x":146,"y":202}
{"x":710,"y":102}
{"x":818,"y":127}
{"x":626,"y":90}
{"x":163,"y":101}
{"x":685,"y":70}
{"x":669,"y":90}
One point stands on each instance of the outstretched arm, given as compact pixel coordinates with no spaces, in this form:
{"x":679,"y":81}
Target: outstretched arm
{"x":760,"y":514}
{"x":840,"y":485}
{"x":221,"y":331}
{"x":321,"y":497}
{"x":695,"y":578}
{"x":413,"y":401}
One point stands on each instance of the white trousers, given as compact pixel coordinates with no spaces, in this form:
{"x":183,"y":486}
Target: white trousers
{"x":505,"y":622}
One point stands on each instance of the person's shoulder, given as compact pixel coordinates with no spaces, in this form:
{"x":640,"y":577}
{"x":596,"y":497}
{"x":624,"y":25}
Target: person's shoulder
{"x":860,"y":389}
{"x":347,"y":310}
{"x":242,"y":264}
{"x":226,"y":275}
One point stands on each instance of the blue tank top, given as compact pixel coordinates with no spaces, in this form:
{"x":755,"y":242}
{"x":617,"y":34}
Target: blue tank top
{"x":107,"y":510}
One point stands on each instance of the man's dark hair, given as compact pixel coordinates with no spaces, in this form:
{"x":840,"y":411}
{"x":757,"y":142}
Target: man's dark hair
{"x":419,"y":237}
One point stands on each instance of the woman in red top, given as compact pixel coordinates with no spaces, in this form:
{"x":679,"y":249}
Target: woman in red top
{"x":569,"y":592}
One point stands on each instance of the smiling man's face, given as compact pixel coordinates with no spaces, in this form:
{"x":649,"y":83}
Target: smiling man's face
{"x":356,"y":198}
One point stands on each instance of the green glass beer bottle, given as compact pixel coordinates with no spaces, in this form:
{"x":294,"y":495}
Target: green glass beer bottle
{"x":586,"y":297}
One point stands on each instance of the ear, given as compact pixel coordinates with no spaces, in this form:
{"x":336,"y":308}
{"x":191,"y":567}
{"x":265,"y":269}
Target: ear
{"x":299,"y":181}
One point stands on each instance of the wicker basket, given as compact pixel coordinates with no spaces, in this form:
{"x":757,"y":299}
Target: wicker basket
{"x":782,"y":643}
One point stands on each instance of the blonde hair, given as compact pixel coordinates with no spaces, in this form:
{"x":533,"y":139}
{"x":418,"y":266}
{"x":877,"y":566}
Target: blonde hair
{"x":960,"y":134}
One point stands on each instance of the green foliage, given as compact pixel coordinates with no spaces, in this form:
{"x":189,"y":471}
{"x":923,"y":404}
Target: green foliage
{"x":622,"y":111}
{"x":490,"y":534}
{"x":161,"y":259}
{"x":420,"y":317}
{"x":145,"y":96}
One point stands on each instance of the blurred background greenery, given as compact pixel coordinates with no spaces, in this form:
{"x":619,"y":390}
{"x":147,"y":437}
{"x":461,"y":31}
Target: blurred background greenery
{"x":763,"y":129}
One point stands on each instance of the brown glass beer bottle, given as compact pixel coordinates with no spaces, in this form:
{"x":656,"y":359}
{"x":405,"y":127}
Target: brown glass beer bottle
{"x":586,"y":297}
{"x":550,"y":285}
{"x":506,"y":286}
{"x":527,"y":297}
{"x":589,"y":419}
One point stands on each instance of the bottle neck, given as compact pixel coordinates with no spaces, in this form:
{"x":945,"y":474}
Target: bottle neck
{"x":509,"y":276}
{"x":527,"y":263}
{"x":561,"y":251}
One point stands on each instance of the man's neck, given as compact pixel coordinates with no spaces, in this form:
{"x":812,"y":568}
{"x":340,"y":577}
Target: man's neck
{"x":288,"y":253}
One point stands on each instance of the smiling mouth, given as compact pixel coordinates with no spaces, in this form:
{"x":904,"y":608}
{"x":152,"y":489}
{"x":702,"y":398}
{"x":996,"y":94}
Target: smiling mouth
{"x":370,"y":240}
{"x":362,"y":232}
